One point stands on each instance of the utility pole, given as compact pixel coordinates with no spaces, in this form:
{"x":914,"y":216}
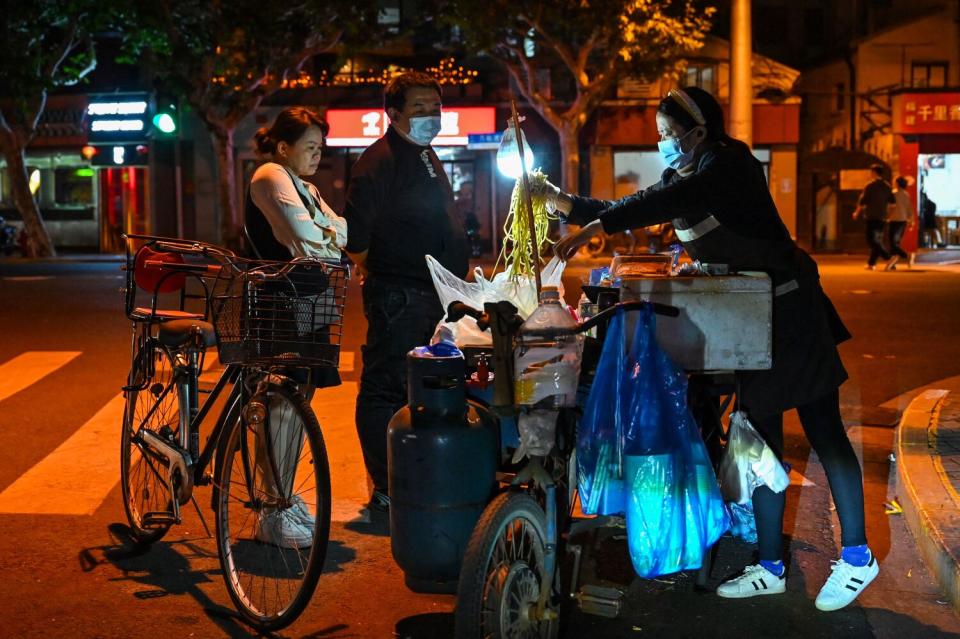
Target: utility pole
{"x":741,"y":76}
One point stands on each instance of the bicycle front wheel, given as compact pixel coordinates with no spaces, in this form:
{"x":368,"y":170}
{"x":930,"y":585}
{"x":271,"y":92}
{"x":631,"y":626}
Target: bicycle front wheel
{"x":502,"y":570}
{"x":153,"y":402}
{"x":273,"y":507}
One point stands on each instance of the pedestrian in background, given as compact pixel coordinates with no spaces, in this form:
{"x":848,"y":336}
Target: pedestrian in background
{"x":872,"y":206}
{"x":928,"y":220}
{"x":400,"y":208}
{"x":899,"y":216}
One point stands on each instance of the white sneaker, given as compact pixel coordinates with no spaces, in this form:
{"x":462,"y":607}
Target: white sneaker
{"x":845,"y":584}
{"x":301,"y":512}
{"x":755,"y":580}
{"x":282,"y":528}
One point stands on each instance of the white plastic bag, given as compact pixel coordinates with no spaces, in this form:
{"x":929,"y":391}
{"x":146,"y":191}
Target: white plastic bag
{"x":538,"y":433}
{"x":522,"y":294}
{"x":748,"y":463}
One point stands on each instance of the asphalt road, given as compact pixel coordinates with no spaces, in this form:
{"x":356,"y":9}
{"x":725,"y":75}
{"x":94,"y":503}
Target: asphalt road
{"x":70,"y":571}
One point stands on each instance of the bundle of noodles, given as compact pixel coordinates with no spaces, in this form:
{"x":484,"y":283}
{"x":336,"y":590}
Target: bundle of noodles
{"x":517,"y":251}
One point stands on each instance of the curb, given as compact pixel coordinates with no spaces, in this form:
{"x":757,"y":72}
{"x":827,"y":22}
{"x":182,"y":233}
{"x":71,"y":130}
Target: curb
{"x":930,"y":504}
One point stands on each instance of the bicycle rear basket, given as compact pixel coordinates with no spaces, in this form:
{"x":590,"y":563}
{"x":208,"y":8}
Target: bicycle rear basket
{"x":281,"y":313}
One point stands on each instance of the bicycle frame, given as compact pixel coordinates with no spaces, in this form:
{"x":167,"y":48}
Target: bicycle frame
{"x":193,"y":461}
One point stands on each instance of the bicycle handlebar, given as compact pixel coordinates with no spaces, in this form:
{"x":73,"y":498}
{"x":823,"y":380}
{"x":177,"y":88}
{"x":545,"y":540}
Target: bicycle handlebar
{"x":458,"y":310}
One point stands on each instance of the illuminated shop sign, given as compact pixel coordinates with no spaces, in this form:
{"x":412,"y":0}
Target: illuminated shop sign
{"x":113,"y":155}
{"x":117,"y":118}
{"x":361,"y":127}
{"x":918,"y":113}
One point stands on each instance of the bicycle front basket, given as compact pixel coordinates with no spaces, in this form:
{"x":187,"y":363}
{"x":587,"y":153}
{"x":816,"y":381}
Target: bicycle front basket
{"x":281,"y":313}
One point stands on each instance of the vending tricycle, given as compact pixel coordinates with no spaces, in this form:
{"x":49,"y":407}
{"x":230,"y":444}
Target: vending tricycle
{"x":483,"y":469}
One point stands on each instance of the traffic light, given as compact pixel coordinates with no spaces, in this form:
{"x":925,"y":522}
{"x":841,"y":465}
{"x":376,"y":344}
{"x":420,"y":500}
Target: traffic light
{"x":166,"y":118}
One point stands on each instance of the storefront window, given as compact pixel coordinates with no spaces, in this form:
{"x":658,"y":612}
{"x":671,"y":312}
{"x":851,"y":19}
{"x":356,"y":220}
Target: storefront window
{"x":73,"y":186}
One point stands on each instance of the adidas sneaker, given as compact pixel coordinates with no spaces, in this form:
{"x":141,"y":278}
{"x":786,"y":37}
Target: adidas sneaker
{"x":755,"y":580}
{"x":845,"y":583}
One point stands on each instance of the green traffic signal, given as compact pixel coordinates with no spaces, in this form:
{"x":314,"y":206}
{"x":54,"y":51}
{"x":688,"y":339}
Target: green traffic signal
{"x":165,"y":123}
{"x":165,"y":120}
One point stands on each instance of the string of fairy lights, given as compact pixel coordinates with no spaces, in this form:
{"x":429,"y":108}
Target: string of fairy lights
{"x":447,"y":72}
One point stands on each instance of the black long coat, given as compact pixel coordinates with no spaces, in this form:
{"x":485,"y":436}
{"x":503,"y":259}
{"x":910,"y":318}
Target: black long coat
{"x":728,"y":196}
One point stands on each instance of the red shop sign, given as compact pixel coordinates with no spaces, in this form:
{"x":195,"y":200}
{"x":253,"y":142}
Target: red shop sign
{"x":361,"y":127}
{"x":927,"y":113}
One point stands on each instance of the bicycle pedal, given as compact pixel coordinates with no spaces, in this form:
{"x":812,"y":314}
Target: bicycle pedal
{"x":600,"y":601}
{"x":158,"y":519}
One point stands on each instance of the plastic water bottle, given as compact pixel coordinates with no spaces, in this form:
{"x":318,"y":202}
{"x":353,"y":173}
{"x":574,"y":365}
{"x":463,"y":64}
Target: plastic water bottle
{"x":547,"y":357}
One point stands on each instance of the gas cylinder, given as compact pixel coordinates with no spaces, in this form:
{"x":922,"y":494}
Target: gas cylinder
{"x":442,"y":456}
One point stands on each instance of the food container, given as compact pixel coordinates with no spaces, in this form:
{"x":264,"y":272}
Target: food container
{"x":650,"y":265}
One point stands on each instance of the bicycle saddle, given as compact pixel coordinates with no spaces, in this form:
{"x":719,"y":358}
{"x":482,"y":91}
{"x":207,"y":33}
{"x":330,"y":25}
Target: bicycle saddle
{"x":179,"y":333}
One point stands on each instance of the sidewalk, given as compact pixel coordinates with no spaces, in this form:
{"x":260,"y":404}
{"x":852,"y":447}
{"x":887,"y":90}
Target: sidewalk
{"x":928,"y":481}
{"x":938,"y":256}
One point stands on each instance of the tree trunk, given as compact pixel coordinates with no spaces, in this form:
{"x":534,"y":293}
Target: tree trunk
{"x":230,"y":224}
{"x":38,"y":240}
{"x":569,"y":134}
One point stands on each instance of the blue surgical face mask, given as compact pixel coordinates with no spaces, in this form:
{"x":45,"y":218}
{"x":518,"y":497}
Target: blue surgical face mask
{"x":424,"y":128}
{"x":673,"y":156}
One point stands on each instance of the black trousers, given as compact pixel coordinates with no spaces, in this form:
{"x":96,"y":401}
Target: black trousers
{"x":399,"y":319}
{"x":874,"y":235}
{"x":895,"y":231}
{"x":824,"y":429}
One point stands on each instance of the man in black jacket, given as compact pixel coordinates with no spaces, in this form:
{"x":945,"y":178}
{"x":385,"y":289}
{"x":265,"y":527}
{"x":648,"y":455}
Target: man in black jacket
{"x":874,"y":199}
{"x":400,"y":208}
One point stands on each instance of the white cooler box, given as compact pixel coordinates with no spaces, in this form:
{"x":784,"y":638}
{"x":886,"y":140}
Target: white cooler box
{"x":725,"y":321}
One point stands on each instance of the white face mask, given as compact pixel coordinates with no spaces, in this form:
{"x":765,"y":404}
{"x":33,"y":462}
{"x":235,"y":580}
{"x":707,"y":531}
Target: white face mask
{"x":424,"y":128}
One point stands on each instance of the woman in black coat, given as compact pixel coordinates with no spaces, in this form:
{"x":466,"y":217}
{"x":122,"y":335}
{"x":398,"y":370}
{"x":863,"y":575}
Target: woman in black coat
{"x":717,"y":197}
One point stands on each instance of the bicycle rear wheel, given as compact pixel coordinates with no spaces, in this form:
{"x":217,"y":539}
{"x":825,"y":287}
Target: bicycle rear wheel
{"x":153,"y":402}
{"x":273,"y":507}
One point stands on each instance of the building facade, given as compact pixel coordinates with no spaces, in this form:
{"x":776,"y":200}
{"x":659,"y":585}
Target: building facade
{"x":893,"y":99}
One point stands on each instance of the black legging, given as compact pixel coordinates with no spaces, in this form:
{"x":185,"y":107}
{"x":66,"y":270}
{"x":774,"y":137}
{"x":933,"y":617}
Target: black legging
{"x":824,"y":429}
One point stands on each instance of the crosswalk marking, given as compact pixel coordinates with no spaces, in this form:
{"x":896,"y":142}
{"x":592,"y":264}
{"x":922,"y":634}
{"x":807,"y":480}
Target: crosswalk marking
{"x":30,"y":367}
{"x":76,"y":477}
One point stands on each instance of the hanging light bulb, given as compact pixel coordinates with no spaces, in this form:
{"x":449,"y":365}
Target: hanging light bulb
{"x":508,"y":154}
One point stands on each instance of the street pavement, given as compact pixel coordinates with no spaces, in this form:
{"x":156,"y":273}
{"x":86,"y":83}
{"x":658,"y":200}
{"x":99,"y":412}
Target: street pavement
{"x":70,"y":570}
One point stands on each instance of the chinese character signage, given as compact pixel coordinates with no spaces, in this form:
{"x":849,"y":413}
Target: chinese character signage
{"x":917,"y":113}
{"x":361,"y":127}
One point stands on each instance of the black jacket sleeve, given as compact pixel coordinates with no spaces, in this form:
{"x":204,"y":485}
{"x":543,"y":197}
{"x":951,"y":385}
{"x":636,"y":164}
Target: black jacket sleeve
{"x":585,"y":209}
{"x":366,"y":198}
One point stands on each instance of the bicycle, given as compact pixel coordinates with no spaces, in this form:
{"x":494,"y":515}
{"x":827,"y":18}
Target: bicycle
{"x":265,"y":457}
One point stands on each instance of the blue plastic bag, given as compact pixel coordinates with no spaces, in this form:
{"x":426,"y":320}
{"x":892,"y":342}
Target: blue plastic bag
{"x":639,"y":452}
{"x":743,"y":524}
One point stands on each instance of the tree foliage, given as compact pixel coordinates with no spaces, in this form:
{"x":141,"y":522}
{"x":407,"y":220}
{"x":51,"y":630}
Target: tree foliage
{"x":585,"y":45}
{"x":47,"y":44}
{"x":224,"y":58}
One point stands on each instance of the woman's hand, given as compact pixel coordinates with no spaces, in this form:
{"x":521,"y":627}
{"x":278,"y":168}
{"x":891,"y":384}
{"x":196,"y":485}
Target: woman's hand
{"x":567,"y":246}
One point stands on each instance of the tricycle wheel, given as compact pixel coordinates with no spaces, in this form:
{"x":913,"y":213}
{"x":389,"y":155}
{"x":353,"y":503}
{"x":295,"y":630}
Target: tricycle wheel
{"x":503,"y":568}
